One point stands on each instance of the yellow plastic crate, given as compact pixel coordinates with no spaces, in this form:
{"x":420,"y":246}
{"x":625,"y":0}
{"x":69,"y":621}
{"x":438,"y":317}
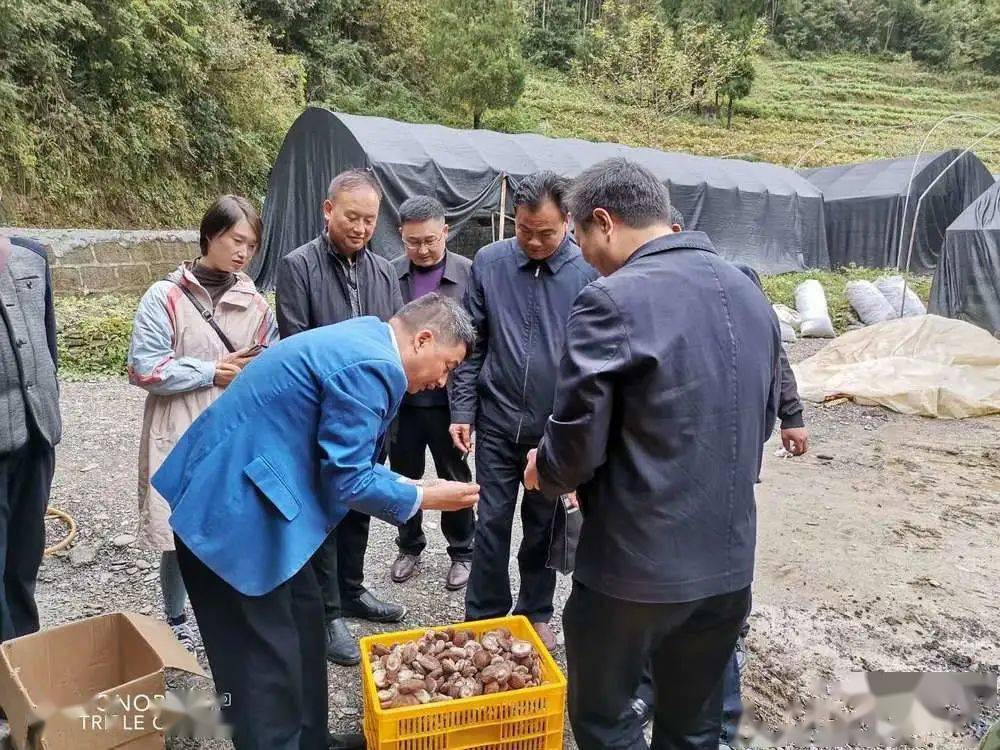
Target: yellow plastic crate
{"x":526,"y":719}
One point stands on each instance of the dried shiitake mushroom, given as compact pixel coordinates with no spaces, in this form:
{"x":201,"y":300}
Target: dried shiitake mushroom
{"x":448,"y":664}
{"x":521,"y":649}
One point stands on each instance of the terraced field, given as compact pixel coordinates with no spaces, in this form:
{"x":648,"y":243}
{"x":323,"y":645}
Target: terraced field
{"x":863,"y":108}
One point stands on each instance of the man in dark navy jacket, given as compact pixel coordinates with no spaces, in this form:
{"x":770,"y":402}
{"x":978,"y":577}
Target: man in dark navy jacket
{"x":665,"y":395}
{"x":795,"y":438}
{"x":519,"y":297}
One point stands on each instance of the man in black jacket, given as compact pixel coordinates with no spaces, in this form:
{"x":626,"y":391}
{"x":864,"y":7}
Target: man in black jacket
{"x":330,"y":279}
{"x":795,"y":439}
{"x":665,"y":397}
{"x":424,"y":417}
{"x":519,"y":297}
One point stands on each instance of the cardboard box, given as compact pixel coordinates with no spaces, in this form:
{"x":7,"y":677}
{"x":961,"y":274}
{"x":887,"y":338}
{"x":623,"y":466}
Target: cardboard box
{"x":94,"y":684}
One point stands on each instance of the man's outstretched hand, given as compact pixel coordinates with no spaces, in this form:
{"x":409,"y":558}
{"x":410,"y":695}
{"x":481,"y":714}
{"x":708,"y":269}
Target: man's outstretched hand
{"x":450,"y":496}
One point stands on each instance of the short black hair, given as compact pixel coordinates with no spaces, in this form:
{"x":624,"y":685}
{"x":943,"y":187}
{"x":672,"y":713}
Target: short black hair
{"x":445,"y":317}
{"x":624,"y":189}
{"x":539,"y":187}
{"x":226,"y":212}
{"x":420,"y":208}
{"x":353,"y":179}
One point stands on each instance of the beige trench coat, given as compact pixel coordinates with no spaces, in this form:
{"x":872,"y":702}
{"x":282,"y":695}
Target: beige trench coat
{"x":172,"y":356}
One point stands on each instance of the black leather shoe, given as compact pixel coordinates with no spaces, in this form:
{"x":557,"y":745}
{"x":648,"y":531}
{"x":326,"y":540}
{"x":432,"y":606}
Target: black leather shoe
{"x":345,"y":741}
{"x":367,"y":607}
{"x":341,"y":648}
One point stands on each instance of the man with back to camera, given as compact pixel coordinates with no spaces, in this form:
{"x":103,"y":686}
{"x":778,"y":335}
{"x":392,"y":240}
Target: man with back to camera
{"x":795,"y":439}
{"x":665,"y":396}
{"x":332,"y":278}
{"x":519,"y":297}
{"x":426,"y":267}
{"x":263,"y":476}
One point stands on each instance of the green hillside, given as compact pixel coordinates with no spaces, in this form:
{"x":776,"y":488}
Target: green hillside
{"x":869,"y":107}
{"x":873,"y":108}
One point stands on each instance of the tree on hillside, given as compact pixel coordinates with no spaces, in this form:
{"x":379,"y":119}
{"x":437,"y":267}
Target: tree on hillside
{"x":709,"y":55}
{"x":737,"y":86}
{"x":358,"y":54}
{"x":737,"y":80}
{"x":629,"y":56}
{"x":735,"y":16}
{"x":634,"y":56}
{"x":553,"y":32}
{"x":974,"y":27}
{"x":130,"y":108}
{"x":474,"y":53}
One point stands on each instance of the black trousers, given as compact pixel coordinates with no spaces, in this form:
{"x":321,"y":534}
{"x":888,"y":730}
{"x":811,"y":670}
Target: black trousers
{"x":611,"y":643}
{"x":417,"y":429}
{"x":267,"y":653}
{"x":729,"y":687}
{"x":500,"y":466}
{"x":25,"y":483}
{"x":339,"y":563}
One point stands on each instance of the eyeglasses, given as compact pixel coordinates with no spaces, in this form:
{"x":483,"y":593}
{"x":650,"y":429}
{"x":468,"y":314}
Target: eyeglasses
{"x":414,"y":244}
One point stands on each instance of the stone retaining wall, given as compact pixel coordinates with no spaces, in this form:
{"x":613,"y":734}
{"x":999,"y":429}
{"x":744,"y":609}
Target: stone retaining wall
{"x":85,"y":261}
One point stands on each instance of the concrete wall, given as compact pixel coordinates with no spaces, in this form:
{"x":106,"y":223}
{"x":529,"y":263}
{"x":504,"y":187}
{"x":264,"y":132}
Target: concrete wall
{"x":86,"y":261}
{"x":89,"y":261}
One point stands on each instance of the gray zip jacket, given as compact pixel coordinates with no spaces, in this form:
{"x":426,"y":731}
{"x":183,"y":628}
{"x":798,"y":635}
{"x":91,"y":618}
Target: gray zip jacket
{"x":519,"y":307}
{"x":29,"y":392}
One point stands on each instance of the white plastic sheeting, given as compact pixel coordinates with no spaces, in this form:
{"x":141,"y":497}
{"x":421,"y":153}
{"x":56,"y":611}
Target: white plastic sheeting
{"x":928,"y":365}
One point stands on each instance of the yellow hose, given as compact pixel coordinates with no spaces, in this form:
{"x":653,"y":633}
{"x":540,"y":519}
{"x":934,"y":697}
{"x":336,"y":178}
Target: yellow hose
{"x":68,"y":520}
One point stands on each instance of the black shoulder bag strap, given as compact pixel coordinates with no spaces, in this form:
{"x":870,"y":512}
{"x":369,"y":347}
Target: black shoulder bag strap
{"x":207,"y":316}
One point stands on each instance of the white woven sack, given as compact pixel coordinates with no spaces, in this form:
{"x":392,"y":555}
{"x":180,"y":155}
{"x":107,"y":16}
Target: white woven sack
{"x":892,"y":289}
{"x":810,"y":300}
{"x":787,"y":332}
{"x":869,"y":303}
{"x":788,"y":315}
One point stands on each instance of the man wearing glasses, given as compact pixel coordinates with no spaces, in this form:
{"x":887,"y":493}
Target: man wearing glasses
{"x":427,"y":266}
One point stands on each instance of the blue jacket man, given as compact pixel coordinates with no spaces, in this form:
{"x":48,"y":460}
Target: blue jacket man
{"x":265,"y":473}
{"x":282,"y":490}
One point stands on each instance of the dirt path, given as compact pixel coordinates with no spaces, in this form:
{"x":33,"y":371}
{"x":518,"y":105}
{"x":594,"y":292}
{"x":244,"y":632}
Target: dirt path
{"x":878,"y":551}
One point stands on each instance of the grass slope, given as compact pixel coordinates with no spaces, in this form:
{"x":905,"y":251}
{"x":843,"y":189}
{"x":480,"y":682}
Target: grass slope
{"x":871,"y":108}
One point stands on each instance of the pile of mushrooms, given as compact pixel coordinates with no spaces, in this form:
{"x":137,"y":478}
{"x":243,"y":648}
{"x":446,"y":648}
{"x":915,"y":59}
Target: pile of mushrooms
{"x":443,"y":665}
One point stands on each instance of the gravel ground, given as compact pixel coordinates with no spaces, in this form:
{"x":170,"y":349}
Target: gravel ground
{"x":877,"y":551}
